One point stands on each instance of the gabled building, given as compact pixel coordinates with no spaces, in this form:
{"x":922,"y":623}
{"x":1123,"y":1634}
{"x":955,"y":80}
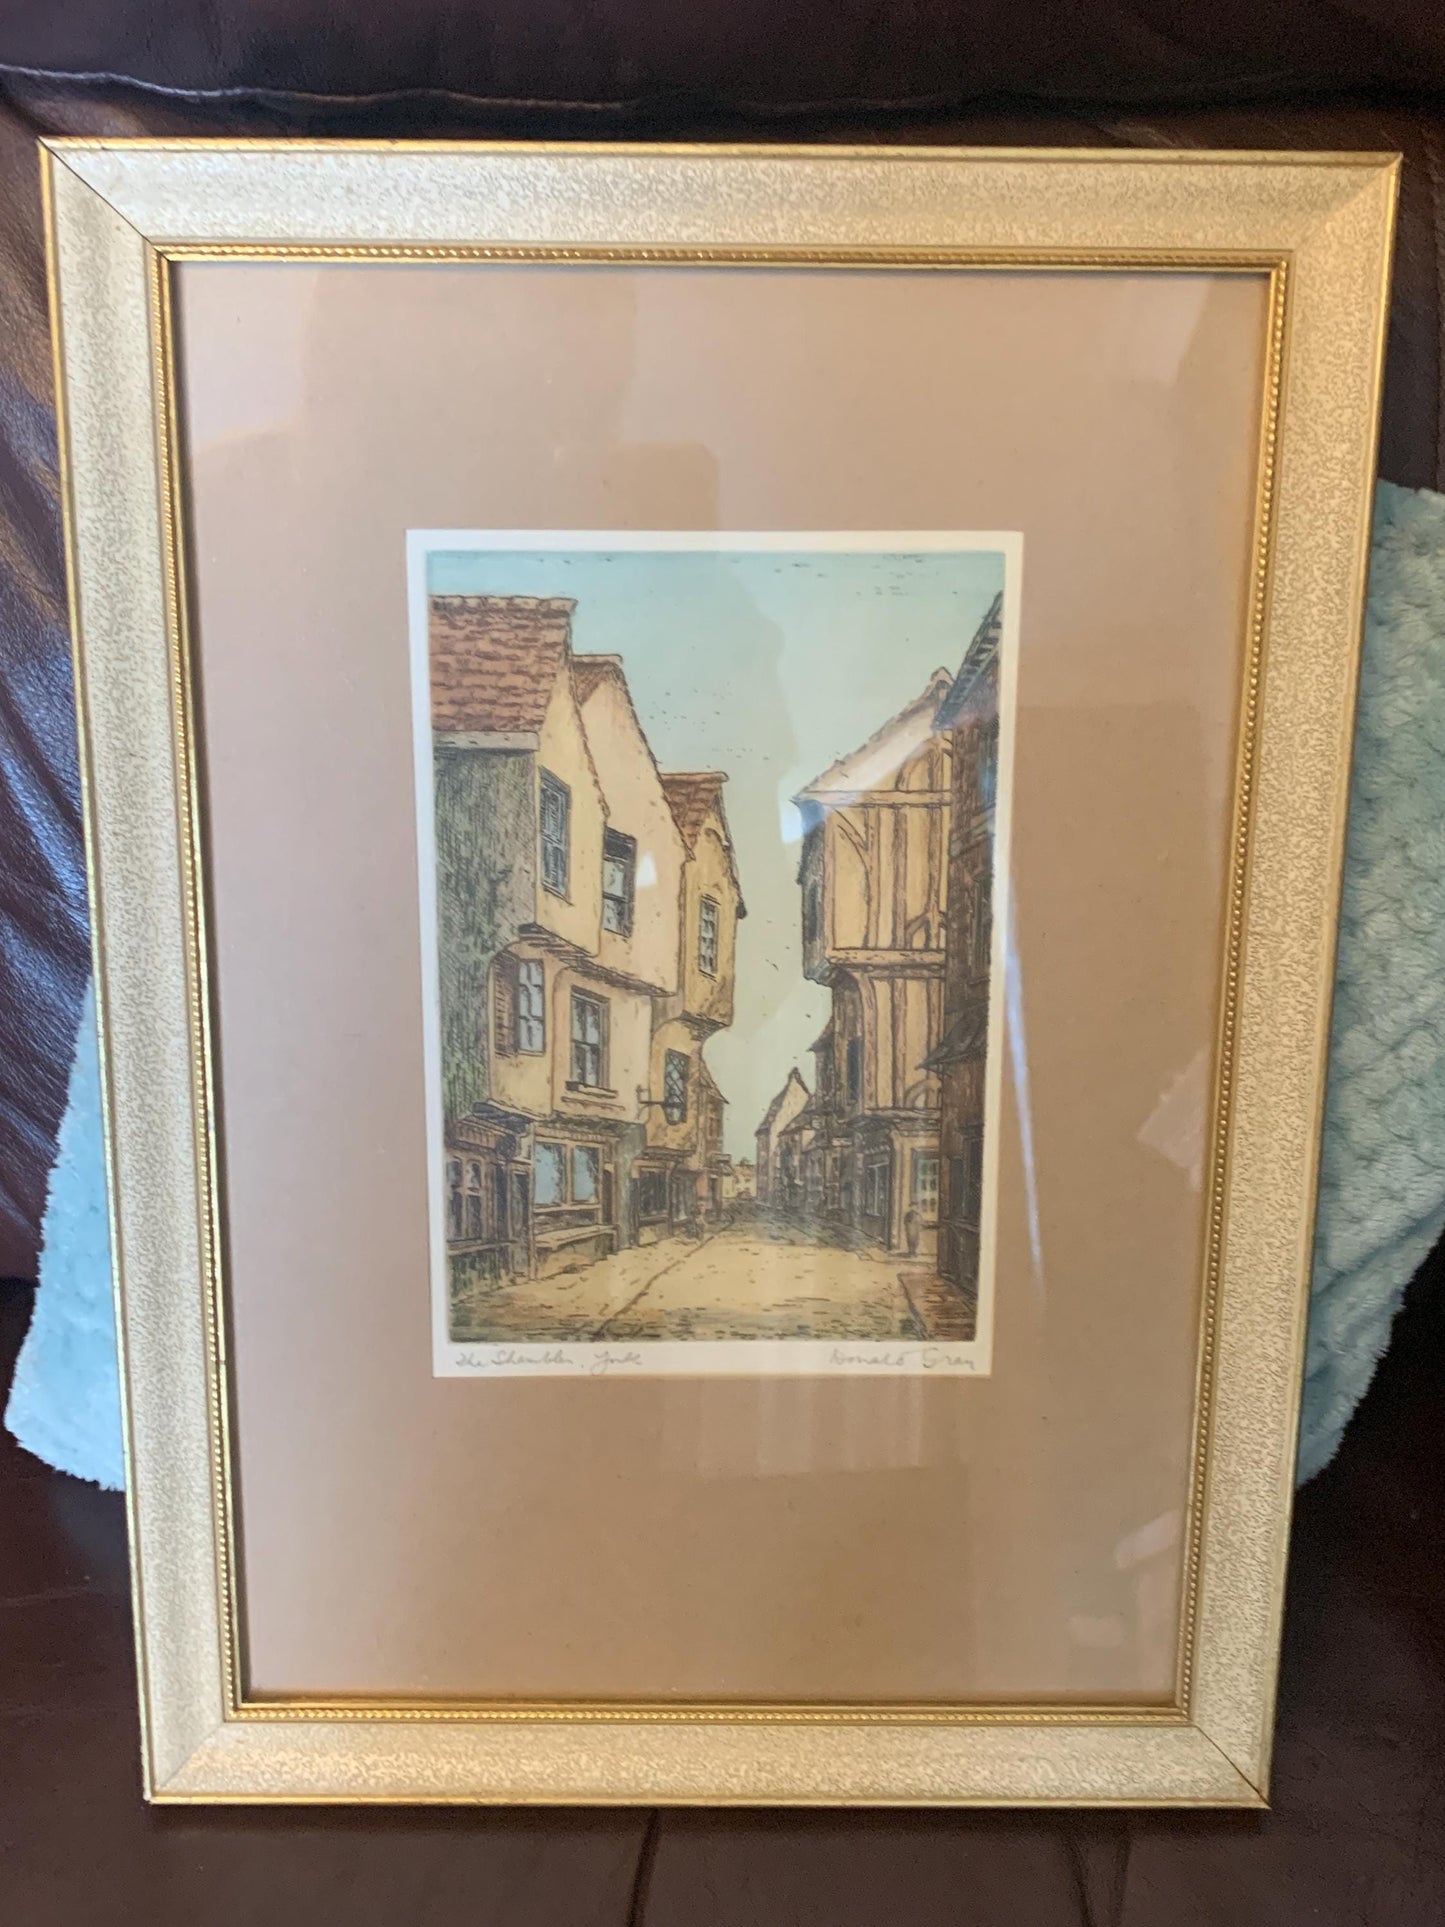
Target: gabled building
{"x":714,"y":1166}
{"x":679,"y":1177}
{"x":712,"y":902}
{"x":799,"y":1185}
{"x":776,"y":1182}
{"x":874,"y":881}
{"x":560,"y":896}
{"x":519,"y":823}
{"x":642,"y":849}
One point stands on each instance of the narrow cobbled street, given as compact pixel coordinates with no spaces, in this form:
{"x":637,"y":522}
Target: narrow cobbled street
{"x":754,"y":1279}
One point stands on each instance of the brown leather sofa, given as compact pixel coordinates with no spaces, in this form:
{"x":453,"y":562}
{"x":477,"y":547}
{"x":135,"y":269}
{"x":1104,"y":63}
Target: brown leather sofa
{"x":1358,"y":1834}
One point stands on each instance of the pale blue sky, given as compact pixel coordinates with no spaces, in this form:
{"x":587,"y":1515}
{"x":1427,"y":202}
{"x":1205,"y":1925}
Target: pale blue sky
{"x":768,"y":664}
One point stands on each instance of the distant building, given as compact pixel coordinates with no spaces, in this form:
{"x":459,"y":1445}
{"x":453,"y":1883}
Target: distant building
{"x":740,"y":1181}
{"x":970,"y":714}
{"x":776,"y":1183}
{"x":874,"y":888}
{"x":564,"y":882}
{"x":679,"y":1177}
{"x":798,"y":1186}
{"x":713,"y":1163}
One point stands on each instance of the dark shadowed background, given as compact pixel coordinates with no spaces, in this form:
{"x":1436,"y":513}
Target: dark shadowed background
{"x":1358,"y":1832}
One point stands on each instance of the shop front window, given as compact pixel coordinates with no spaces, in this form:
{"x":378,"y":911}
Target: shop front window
{"x":474,"y":1223}
{"x":586,"y":1164}
{"x":875,"y":1190}
{"x":549,"y":1178}
{"x":652,"y":1194}
{"x":925,"y":1186}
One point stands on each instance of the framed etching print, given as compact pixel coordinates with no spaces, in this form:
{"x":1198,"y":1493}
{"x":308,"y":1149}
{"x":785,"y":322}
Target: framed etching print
{"x":715,"y":788}
{"x":632,"y":1172}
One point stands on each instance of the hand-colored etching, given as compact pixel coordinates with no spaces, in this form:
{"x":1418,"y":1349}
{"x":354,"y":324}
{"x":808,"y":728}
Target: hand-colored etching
{"x":588,"y":907}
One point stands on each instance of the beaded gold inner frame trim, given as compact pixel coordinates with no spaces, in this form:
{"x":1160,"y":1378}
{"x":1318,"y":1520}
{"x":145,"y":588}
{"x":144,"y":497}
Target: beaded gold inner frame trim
{"x":120,"y":216}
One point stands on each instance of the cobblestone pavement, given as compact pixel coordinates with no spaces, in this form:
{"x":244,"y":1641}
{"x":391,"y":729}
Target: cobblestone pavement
{"x":756,"y":1279}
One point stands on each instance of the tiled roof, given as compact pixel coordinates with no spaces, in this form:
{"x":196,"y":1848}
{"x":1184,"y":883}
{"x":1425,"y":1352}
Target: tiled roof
{"x":978,"y":658}
{"x":965,"y":1041}
{"x":690,"y":795}
{"x":770,"y":1116}
{"x":707,"y":1081}
{"x":875,"y":763}
{"x":590,"y":672}
{"x":495,"y":660}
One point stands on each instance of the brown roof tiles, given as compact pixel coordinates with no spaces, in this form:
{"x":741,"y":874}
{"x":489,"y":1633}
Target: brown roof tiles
{"x":590,"y":672}
{"x":495,"y":661}
{"x":691,"y":795}
{"x":770,"y":1116}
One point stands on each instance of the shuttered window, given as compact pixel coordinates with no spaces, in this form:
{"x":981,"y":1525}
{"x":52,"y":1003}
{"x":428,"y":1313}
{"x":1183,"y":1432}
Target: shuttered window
{"x":556,"y":813}
{"x":925,"y":1185}
{"x":707,"y":937}
{"x":619,"y":869}
{"x":531,"y":1006}
{"x":549,"y":1174}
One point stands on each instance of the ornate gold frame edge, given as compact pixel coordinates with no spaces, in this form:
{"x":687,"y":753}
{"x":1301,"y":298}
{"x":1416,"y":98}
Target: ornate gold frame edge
{"x":1240,"y":1785}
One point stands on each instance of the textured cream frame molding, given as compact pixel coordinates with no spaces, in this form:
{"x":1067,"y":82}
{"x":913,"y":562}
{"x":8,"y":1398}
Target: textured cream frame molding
{"x":117,"y":211}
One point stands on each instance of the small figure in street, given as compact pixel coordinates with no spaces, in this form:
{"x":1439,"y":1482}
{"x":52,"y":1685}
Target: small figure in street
{"x":912,"y":1229}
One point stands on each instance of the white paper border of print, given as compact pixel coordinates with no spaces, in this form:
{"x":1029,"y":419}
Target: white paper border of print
{"x":706,"y":1358}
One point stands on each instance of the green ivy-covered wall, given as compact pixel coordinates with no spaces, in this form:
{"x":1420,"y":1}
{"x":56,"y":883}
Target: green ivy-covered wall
{"x":486,"y":844}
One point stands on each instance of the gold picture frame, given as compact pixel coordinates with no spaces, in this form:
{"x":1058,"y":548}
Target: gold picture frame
{"x":121,"y":216}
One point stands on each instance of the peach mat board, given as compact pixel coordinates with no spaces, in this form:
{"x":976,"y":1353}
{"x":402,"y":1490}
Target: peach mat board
{"x":1015,"y":1537}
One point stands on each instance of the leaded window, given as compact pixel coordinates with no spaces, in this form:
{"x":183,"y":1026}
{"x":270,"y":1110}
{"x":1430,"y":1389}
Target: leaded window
{"x":475,"y":1222}
{"x":707,"y":927}
{"x":674,"y":1087}
{"x":925,"y":1185}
